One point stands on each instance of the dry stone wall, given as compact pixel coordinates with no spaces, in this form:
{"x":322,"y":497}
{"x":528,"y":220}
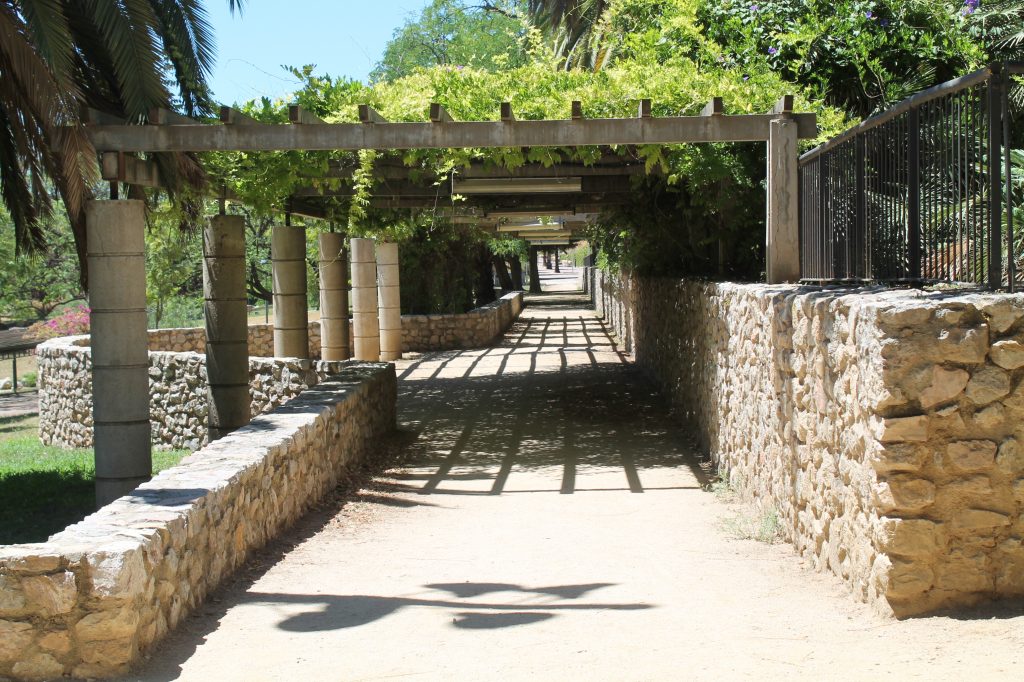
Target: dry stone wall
{"x":94,"y":598}
{"x":474,"y":329}
{"x":884,"y":427}
{"x":177,"y":392}
{"x":420,"y":333}
{"x":177,"y":373}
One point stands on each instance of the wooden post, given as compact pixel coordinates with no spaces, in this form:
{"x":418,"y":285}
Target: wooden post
{"x":782,"y":248}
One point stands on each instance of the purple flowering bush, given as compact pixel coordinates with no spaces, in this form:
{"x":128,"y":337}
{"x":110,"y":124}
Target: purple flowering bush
{"x":74,"y":320}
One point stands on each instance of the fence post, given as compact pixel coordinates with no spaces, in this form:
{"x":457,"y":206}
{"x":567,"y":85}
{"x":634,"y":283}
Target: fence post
{"x":995,"y":180}
{"x":782,"y":250}
{"x":914,"y":194}
{"x":1011,"y":266}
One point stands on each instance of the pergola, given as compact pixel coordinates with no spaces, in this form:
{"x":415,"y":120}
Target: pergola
{"x":542,"y":205}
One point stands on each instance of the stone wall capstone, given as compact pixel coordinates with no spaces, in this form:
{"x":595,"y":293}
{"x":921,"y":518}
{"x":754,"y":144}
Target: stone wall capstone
{"x":95,"y":597}
{"x":884,"y":427}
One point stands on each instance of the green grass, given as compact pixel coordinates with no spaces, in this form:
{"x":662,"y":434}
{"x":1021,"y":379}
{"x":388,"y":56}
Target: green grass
{"x":43,"y":489}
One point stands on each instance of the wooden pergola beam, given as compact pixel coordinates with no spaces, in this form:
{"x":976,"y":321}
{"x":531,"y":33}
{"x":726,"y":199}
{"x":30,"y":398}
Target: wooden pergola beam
{"x":482,"y":134}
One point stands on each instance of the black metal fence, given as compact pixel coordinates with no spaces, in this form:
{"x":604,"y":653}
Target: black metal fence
{"x":922,"y":193}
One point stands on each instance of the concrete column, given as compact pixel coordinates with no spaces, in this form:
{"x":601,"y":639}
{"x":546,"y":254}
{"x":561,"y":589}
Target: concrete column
{"x":333,"y":297}
{"x":291,"y":324}
{"x":389,"y":299}
{"x":115,"y":244}
{"x":365,"y":321}
{"x":227,"y":327}
{"x":782,"y":248}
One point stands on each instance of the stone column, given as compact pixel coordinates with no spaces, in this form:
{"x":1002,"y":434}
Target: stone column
{"x":782,"y":252}
{"x":389,"y":299}
{"x":365,"y":321}
{"x":227,"y":327}
{"x":333,"y":297}
{"x":291,"y":324}
{"x":115,"y":244}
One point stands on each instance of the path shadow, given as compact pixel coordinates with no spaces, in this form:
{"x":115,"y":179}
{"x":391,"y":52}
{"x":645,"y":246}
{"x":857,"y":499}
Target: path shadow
{"x":338,"y":612}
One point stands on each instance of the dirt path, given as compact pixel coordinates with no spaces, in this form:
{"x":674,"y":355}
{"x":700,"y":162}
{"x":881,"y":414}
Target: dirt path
{"x":551,"y":524}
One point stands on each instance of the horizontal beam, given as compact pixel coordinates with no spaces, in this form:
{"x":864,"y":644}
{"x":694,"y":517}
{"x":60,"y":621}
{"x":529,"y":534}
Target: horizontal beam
{"x":475,"y":134}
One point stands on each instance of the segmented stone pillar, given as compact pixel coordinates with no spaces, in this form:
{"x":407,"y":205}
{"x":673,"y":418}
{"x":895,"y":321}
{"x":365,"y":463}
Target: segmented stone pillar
{"x":365,"y":321}
{"x":291,"y":324}
{"x":115,"y":244}
{"x":334,"y":332}
{"x":389,"y":300}
{"x":782,"y":252}
{"x":227,"y":339}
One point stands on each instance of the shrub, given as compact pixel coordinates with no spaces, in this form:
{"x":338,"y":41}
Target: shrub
{"x":74,"y":320}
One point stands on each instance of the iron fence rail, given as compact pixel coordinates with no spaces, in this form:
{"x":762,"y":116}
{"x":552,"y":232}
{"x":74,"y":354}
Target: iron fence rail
{"x":922,"y":193}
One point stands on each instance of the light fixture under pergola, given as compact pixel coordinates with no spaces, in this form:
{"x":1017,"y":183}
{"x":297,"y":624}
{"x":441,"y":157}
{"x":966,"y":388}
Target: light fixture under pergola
{"x":518,"y":186}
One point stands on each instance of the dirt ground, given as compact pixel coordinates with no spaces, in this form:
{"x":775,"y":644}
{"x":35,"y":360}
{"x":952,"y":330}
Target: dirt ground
{"x":547,"y":521}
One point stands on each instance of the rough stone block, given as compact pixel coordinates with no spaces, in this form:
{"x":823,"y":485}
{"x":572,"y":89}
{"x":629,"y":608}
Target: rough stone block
{"x":40,"y":666}
{"x":905,"y":494}
{"x":972,"y":455}
{"x":909,"y":537}
{"x":976,"y":519}
{"x":902,"y":429}
{"x":908,"y":579}
{"x":15,"y":638}
{"x":51,"y":595}
{"x":1008,"y":354}
{"x":945,"y":385}
{"x":988,"y":384}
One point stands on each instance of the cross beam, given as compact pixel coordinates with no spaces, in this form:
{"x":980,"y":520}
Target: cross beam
{"x":442,"y":134}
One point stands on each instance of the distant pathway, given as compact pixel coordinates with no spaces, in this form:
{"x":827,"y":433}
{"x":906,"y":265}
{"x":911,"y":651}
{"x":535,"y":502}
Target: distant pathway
{"x":551,"y":525}
{"x":21,"y":404}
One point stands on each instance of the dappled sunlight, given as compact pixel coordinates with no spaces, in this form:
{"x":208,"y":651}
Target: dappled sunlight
{"x":552,"y":407}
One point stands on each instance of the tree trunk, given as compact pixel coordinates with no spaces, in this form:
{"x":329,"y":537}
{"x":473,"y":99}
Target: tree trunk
{"x":534,"y":270}
{"x":485,"y":278}
{"x":558,"y":261}
{"x":503,"y":276}
{"x":516,"y":268}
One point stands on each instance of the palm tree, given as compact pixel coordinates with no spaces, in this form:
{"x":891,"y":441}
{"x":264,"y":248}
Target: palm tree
{"x":121,"y":57}
{"x":575,"y":27}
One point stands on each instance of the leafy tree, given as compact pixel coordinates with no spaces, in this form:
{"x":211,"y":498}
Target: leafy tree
{"x":456,"y":33}
{"x":32,"y":287}
{"x":173,"y":262}
{"x":860,"y":55}
{"x":121,"y":57}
